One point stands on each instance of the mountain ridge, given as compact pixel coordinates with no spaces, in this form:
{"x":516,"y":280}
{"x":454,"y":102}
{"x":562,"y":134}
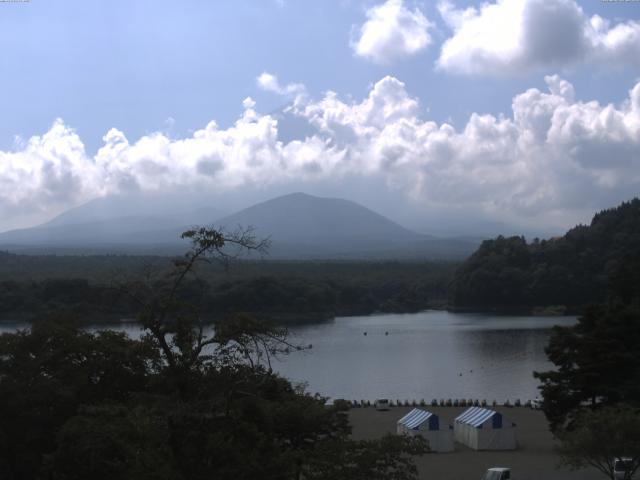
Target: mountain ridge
{"x":300,"y":226}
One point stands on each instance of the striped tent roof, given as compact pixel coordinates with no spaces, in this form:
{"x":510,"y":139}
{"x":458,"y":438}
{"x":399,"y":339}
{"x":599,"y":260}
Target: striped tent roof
{"x":415,"y":418}
{"x":475,"y":416}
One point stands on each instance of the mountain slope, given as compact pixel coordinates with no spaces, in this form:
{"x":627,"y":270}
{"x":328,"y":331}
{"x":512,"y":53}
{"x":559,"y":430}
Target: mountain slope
{"x":121,"y":224}
{"x":304,"y":226}
{"x":172,"y":208}
{"x":119,"y":230}
{"x":305,"y":219}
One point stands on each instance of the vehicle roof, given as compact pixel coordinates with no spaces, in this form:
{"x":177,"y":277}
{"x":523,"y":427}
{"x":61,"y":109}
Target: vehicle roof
{"x":499,"y":469}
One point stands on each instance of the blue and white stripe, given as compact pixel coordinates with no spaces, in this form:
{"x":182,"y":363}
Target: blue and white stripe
{"x":475,"y":416}
{"x":415,"y":418}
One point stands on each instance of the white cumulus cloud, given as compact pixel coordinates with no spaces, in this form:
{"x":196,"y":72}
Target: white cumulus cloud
{"x":550,"y":156}
{"x":512,"y":36}
{"x":392,"y":31}
{"x":270,"y":83}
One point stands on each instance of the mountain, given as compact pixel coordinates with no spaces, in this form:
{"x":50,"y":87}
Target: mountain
{"x":305,"y":226}
{"x":172,"y":209}
{"x":304,"y":219}
{"x":129,"y":223}
{"x":572,"y":270}
{"x":119,"y":230}
{"x":300,"y":226}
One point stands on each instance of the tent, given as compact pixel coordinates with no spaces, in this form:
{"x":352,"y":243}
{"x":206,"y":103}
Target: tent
{"x":426,"y":424}
{"x":484,"y":429}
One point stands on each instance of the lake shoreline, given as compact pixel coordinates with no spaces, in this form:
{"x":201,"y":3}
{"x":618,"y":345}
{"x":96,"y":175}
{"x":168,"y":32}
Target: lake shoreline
{"x":540,"y":311}
{"x":286,"y":319}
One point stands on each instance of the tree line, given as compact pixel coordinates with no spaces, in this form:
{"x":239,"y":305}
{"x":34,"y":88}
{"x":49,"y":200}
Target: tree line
{"x":289,"y":293}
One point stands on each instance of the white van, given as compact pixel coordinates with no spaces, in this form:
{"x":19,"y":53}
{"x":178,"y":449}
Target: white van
{"x":536,"y":403}
{"x":621,"y":466}
{"x":497,"y":473}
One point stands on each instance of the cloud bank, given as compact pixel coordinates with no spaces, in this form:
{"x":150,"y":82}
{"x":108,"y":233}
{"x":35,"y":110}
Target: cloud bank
{"x":515,"y":36}
{"x":391,"y":32}
{"x":551,"y":153}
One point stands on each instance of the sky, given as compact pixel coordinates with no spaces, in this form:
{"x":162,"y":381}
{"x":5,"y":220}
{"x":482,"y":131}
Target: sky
{"x":508,"y":112}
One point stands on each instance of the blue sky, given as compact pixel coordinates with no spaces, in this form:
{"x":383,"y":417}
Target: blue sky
{"x":150,"y":68}
{"x":133,"y":65}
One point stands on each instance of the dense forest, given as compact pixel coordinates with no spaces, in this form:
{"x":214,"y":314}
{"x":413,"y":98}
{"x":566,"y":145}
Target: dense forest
{"x":91,"y":286}
{"x":571,"y":271}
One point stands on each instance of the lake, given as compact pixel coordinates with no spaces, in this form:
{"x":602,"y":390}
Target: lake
{"x":432,"y":354}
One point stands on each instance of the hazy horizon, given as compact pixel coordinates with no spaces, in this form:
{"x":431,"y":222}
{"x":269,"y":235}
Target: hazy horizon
{"x":190,"y":209}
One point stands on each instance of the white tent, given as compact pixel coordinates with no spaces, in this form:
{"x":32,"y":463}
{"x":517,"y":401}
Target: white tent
{"x":427,"y":425}
{"x":484,"y":429}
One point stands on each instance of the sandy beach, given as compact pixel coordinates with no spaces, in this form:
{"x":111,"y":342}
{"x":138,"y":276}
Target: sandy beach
{"x":533,"y":460}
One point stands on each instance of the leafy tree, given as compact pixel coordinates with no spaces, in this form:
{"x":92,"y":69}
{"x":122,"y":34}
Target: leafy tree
{"x":602,"y":437}
{"x":47,"y":373}
{"x":184,"y":402}
{"x":597,"y":360}
{"x":115,"y":442}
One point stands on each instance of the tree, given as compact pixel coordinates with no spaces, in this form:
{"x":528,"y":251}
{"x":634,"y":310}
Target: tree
{"x":184,"y":402}
{"x":47,"y":373}
{"x":252,"y":422}
{"x":175,"y":325}
{"x":115,"y":442}
{"x":598,"y":359}
{"x":597,"y":363}
{"x":602,"y":437}
{"x":591,"y":399}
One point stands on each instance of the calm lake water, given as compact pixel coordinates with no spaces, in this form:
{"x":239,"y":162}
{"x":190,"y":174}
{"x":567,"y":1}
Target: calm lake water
{"x":426,"y":355}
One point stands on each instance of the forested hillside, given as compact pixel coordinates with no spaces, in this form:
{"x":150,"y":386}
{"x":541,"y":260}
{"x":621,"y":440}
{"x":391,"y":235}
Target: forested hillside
{"x":573,"y":270}
{"x":91,"y":287}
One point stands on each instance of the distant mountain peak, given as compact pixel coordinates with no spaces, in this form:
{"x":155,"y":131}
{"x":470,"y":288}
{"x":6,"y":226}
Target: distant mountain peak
{"x":296,"y":195}
{"x":300,"y":217}
{"x":299,"y":225}
{"x":306,"y":197}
